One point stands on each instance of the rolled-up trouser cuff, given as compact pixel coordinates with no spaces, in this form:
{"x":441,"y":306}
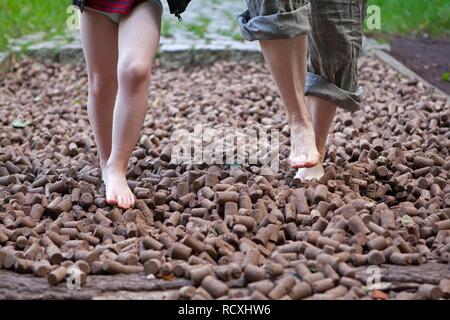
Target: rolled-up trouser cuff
{"x":319,"y":87}
{"x":279,"y":24}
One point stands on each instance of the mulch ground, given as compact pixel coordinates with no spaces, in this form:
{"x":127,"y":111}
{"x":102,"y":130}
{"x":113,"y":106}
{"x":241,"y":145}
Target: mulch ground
{"x":211,"y":231}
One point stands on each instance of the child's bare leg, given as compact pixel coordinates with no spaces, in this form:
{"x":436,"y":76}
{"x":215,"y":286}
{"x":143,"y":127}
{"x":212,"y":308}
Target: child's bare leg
{"x":286,"y":59}
{"x":322,"y":114}
{"x":100,"y":47}
{"x":138,"y":41}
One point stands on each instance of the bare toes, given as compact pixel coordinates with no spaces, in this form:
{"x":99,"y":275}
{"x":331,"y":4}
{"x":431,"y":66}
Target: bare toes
{"x":132,"y":200}
{"x":122,"y":202}
{"x":129,"y":201}
{"x":111,"y":200}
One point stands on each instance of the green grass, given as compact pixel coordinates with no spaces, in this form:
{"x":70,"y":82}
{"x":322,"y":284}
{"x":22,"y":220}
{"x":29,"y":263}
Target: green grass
{"x":18,"y":18}
{"x":199,"y":28}
{"x":235,"y":35}
{"x":446,"y":76}
{"x":414,"y":17}
{"x":166,"y":29}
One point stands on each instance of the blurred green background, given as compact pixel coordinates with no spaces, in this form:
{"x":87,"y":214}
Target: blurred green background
{"x":414,"y":17}
{"x":18,"y":18}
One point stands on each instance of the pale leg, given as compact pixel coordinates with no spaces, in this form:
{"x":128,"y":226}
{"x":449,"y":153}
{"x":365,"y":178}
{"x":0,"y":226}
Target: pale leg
{"x":322,"y":113}
{"x":100,"y":47}
{"x":139,"y":34}
{"x":286,"y":59}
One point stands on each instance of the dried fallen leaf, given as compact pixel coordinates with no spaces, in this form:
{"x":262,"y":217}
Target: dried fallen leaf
{"x":312,"y":268}
{"x":168,"y":277}
{"x":379,"y":295}
{"x":20,"y":124}
{"x":407,"y":221}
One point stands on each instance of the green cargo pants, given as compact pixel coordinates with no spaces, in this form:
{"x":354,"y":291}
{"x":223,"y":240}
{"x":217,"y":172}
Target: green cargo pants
{"x":335,"y":29}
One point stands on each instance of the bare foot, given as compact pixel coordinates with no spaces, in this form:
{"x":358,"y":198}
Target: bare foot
{"x":315,"y":172}
{"x":117,"y":190}
{"x":304,"y":152}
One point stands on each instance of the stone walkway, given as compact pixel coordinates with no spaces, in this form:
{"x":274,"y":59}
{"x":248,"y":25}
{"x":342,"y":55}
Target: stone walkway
{"x":207,"y":33}
{"x":205,"y":20}
{"x":206,"y":25}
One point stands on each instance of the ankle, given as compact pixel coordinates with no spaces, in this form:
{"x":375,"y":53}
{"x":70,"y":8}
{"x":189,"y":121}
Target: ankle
{"x":302,"y":119}
{"x":112,"y":166}
{"x":322,"y":152}
{"x":300,"y":124}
